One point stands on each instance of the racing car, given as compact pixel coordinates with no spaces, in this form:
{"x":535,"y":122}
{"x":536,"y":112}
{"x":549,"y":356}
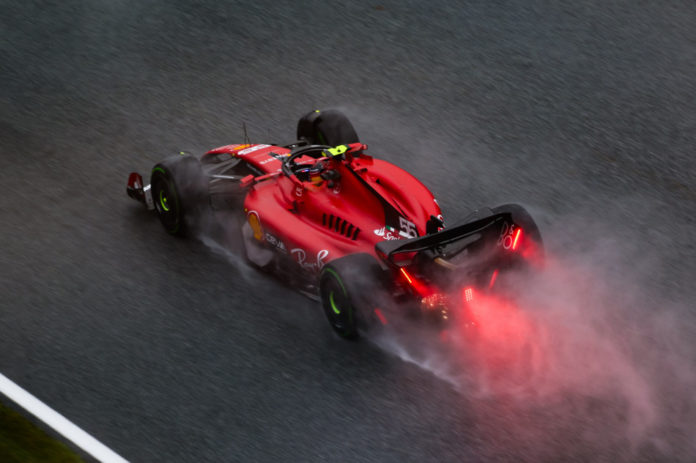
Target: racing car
{"x":362,"y":235}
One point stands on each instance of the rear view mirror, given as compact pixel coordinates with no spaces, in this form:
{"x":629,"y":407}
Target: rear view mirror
{"x":247,"y":181}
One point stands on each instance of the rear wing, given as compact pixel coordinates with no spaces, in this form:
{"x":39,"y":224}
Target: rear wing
{"x":491,"y":228}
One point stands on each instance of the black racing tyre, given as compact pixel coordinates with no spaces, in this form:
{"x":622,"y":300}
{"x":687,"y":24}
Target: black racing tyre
{"x":523,"y":219}
{"x":328,"y":127}
{"x":179,"y":191}
{"x":350,"y":288}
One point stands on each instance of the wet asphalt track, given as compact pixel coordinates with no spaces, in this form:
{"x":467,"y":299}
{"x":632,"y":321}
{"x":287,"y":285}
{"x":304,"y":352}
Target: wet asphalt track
{"x":167,"y":351}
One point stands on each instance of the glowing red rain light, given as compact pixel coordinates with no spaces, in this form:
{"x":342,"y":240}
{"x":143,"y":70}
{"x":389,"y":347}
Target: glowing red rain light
{"x":380,"y":315}
{"x":517,"y":237}
{"x":408,"y":277}
{"x":420,"y":288}
{"x":493,"y":278}
{"x":468,"y":294}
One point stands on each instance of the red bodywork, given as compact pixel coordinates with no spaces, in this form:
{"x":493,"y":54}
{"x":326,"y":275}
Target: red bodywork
{"x":317,"y":221}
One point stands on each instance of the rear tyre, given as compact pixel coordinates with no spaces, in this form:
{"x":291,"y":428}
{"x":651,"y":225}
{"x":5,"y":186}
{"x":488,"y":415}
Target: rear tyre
{"x":351,"y":288}
{"x":329,"y":127}
{"x":179,"y":193}
{"x":531,"y":235}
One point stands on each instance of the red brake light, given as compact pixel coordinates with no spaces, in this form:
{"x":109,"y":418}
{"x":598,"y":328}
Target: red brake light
{"x":516,"y":239}
{"x":408,"y":277}
{"x":493,"y":278}
{"x":420,"y":288}
{"x":380,"y":316}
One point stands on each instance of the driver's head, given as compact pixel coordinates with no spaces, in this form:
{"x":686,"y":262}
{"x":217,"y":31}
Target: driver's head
{"x":315,"y":172}
{"x":312,"y":173}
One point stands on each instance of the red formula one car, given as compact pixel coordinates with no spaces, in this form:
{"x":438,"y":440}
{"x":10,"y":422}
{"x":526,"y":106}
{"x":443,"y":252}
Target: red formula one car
{"x":362,"y":234}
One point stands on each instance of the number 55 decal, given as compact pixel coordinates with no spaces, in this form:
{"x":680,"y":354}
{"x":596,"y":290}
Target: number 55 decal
{"x":408,"y":228}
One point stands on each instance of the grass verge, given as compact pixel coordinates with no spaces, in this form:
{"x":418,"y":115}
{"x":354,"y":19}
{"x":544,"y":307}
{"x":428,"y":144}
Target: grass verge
{"x":21,"y":441}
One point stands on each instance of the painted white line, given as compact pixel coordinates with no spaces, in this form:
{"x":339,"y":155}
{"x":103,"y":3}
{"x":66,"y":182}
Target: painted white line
{"x":58,"y":422}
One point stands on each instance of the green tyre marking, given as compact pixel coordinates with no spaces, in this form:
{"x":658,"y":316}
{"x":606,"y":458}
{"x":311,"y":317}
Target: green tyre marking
{"x":333,"y":303}
{"x":345,"y":293}
{"x":163,"y":201}
{"x":170,"y":185}
{"x":338,"y":278}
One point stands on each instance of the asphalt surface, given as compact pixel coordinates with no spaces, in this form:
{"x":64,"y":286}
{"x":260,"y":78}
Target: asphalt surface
{"x":168,"y":350}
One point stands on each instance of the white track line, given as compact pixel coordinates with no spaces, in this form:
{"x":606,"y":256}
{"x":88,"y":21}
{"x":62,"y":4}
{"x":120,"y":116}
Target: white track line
{"x":58,"y":422}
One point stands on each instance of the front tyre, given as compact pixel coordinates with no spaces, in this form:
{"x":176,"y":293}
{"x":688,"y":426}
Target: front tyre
{"x":179,"y":192}
{"x":351,"y":289}
{"x":329,"y":127}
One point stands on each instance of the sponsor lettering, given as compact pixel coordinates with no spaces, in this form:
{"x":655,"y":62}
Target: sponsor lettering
{"x":386,"y":234}
{"x":274,"y":156}
{"x":251,"y":150}
{"x":274,"y":241}
{"x":300,"y":256}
